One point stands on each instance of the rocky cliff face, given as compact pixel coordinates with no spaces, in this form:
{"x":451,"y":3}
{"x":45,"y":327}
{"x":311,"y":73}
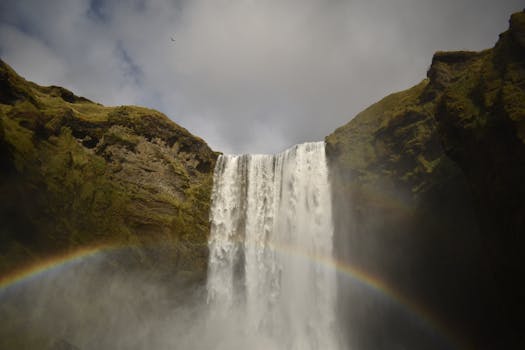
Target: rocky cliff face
{"x":74,"y":173}
{"x":430,"y":192}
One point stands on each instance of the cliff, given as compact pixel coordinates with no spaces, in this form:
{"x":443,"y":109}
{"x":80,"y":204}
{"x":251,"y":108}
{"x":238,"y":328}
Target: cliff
{"x":429,"y":191}
{"x":76,"y":174}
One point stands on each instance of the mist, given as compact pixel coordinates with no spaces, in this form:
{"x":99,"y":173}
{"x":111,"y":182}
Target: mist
{"x":88,"y":303}
{"x":258,"y":77}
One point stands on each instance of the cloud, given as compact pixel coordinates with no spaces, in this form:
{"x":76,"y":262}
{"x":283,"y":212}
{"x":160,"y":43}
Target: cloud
{"x":21,"y":48}
{"x":247,"y":76}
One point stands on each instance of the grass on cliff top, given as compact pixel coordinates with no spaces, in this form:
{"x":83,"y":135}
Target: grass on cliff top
{"x":353,"y":142}
{"x":66,"y":195}
{"x":54,"y":100}
{"x":380,"y":113}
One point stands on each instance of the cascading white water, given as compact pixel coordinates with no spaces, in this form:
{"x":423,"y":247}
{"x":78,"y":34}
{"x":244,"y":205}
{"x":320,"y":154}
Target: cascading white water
{"x":271,"y":236}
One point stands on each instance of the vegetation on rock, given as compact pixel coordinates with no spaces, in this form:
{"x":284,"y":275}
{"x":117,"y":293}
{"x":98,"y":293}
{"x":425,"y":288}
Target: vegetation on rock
{"x":74,"y":173}
{"x":429,"y":189}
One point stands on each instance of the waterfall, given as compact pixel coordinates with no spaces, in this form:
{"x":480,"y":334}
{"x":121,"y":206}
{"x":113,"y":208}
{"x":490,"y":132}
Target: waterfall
{"x":270,"y":284}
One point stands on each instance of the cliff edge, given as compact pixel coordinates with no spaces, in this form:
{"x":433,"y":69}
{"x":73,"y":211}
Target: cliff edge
{"x":429,"y":192}
{"x":76,"y":174}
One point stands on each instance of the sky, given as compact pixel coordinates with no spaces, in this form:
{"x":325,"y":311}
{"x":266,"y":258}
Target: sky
{"x":248,"y":76}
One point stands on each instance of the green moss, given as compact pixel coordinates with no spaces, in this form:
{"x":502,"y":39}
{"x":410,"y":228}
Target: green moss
{"x":379,"y":141}
{"x":405,"y":139}
{"x":85,"y":174}
{"x":20,"y":140}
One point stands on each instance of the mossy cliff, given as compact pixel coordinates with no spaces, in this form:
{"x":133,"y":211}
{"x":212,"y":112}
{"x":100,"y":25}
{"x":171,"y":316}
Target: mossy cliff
{"x":75,"y":174}
{"x":429,"y":191}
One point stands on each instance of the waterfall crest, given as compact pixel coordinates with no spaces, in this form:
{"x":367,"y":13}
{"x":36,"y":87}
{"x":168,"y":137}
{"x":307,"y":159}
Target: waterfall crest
{"x":271,"y":231}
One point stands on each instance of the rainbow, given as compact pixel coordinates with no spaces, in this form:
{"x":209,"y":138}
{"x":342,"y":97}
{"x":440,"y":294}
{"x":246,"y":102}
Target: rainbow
{"x":417,"y":310}
{"x":355,"y":273}
{"x":45,"y":265}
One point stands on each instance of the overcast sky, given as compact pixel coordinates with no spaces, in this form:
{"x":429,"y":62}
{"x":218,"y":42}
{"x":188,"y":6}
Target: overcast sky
{"x":248,"y":76}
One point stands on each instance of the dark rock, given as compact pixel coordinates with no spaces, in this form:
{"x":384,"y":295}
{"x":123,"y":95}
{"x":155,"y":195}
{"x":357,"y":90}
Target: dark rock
{"x":77,"y":174}
{"x":429,"y":193}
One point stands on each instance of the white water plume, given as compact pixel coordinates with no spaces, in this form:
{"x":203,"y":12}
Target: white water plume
{"x":271,"y":225}
{"x":267,"y":287}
